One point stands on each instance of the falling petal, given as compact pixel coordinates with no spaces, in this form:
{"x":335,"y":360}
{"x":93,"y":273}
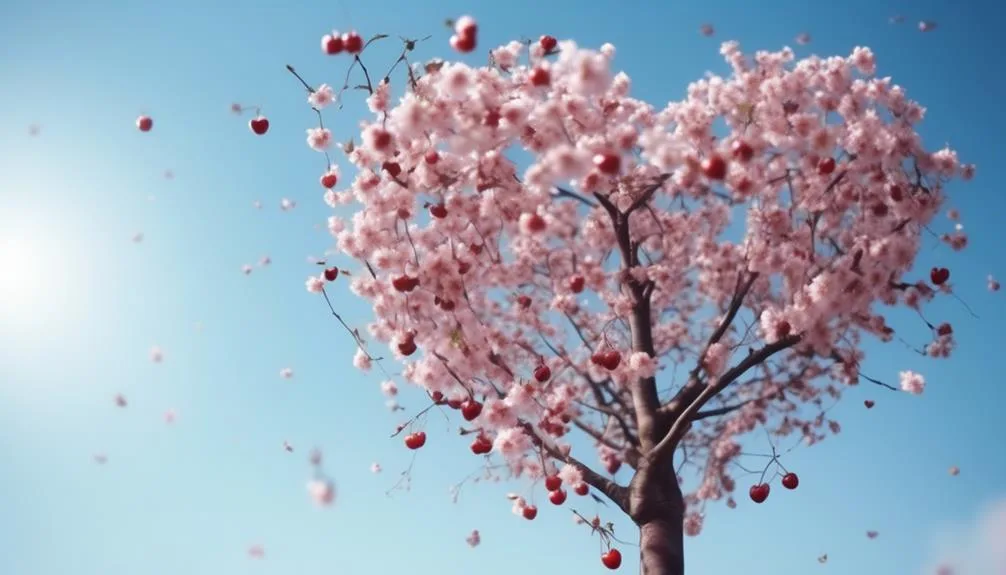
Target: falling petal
{"x":322,"y":491}
{"x":246,"y":269}
{"x":287,"y":204}
{"x":315,"y":457}
{"x":872,"y":534}
{"x":266,"y":260}
{"x":169,"y":175}
{"x":287,"y":447}
{"x":100,"y":458}
{"x":927,"y":26}
{"x":137,"y":237}
{"x":34,"y":130}
{"x":286,"y":373}
{"x":236,"y":108}
{"x":256,"y":551}
{"x":257,"y":205}
{"x":896,"y":19}
{"x":993,"y":284}
{"x":954,"y":471}
{"x":707,"y":30}
{"x":474,"y":539}
{"x":170,"y":416}
{"x":120,"y":400}
{"x":803,"y":39}
{"x":823,"y":559}
{"x":375,"y":467}
{"x":156,"y":354}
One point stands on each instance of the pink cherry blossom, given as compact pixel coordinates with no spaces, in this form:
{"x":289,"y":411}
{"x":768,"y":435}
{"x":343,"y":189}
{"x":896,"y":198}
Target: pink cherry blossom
{"x":912,"y":382}
{"x":389,"y":388}
{"x":322,"y":491}
{"x":286,"y":373}
{"x":315,"y":284}
{"x":375,"y":467}
{"x":752,"y":233}
{"x":321,"y":97}
{"x":156,"y":354}
{"x":319,"y":139}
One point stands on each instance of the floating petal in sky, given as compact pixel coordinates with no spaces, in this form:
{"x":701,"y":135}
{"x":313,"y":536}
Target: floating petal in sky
{"x":322,"y":491}
{"x":823,"y":559}
{"x":170,"y":416}
{"x":246,"y":269}
{"x":287,"y":447}
{"x":375,"y":467}
{"x":896,"y":19}
{"x":707,"y":30}
{"x":474,"y":538}
{"x":137,"y":237}
{"x":156,"y":354}
{"x":34,"y":130}
{"x":927,"y":26}
{"x":120,"y":400}
{"x":256,"y":551}
{"x":954,"y":471}
{"x":100,"y":458}
{"x":286,"y":373}
{"x":993,"y":284}
{"x":286,"y":204}
{"x":872,"y":534}
{"x":803,"y":38}
{"x":257,"y":205}
{"x":266,"y":260}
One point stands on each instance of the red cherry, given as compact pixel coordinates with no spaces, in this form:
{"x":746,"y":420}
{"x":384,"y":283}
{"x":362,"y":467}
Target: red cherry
{"x":714,"y":167}
{"x":742,"y":151}
{"x":437,"y":397}
{"x":455,"y":403}
{"x":535,"y":223}
{"x":613,"y":465}
{"x":576,"y":284}
{"x":463,"y":44}
{"x":524,"y":301}
{"x":259,"y":125}
{"x":759,"y":493}
{"x":447,"y":305}
{"x":581,"y":489}
{"x":939,"y":276}
{"x":329,"y":180}
{"x":392,"y":168}
{"x":432,"y":157}
{"x":790,"y":481}
{"x":542,"y":373}
{"x":407,"y":346}
{"x":331,"y":273}
{"x":553,"y":482}
{"x":333,"y":44}
{"x":404,"y":283}
{"x":481,"y":445}
{"x":895,"y":191}
{"x":608,"y":164}
{"x":557,"y":497}
{"x":879,"y":210}
{"x":540,"y":77}
{"x":611,"y":359}
{"x":783,"y":329}
{"x":612,"y":559}
{"x":352,"y":42}
{"x":382,"y":139}
{"x":415,"y":440}
{"x":471,"y":409}
{"x":438,"y":211}
{"x":144,"y":123}
{"x":869,"y":403}
{"x":548,"y":43}
{"x":944,"y":329}
{"x":826,"y":166}
{"x":529,"y":512}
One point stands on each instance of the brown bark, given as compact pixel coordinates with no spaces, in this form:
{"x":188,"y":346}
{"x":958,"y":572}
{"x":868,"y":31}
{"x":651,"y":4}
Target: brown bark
{"x":656,"y":505}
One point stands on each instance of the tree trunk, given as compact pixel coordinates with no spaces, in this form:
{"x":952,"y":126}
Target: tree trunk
{"x":661,"y":546}
{"x":658,"y":508}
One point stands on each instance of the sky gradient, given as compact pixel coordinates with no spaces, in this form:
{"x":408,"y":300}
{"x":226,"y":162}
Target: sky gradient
{"x":77,"y":324}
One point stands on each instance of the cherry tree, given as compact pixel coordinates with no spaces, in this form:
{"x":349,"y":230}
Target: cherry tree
{"x":575,"y":270}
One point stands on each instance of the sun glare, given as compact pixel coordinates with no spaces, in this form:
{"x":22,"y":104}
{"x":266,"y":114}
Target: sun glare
{"x":21,"y":277}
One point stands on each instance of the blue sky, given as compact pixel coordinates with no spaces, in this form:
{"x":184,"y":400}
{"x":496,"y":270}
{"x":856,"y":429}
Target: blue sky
{"x":193,"y":496}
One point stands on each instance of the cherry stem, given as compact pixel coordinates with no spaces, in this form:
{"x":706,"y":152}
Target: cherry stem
{"x":296,"y":75}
